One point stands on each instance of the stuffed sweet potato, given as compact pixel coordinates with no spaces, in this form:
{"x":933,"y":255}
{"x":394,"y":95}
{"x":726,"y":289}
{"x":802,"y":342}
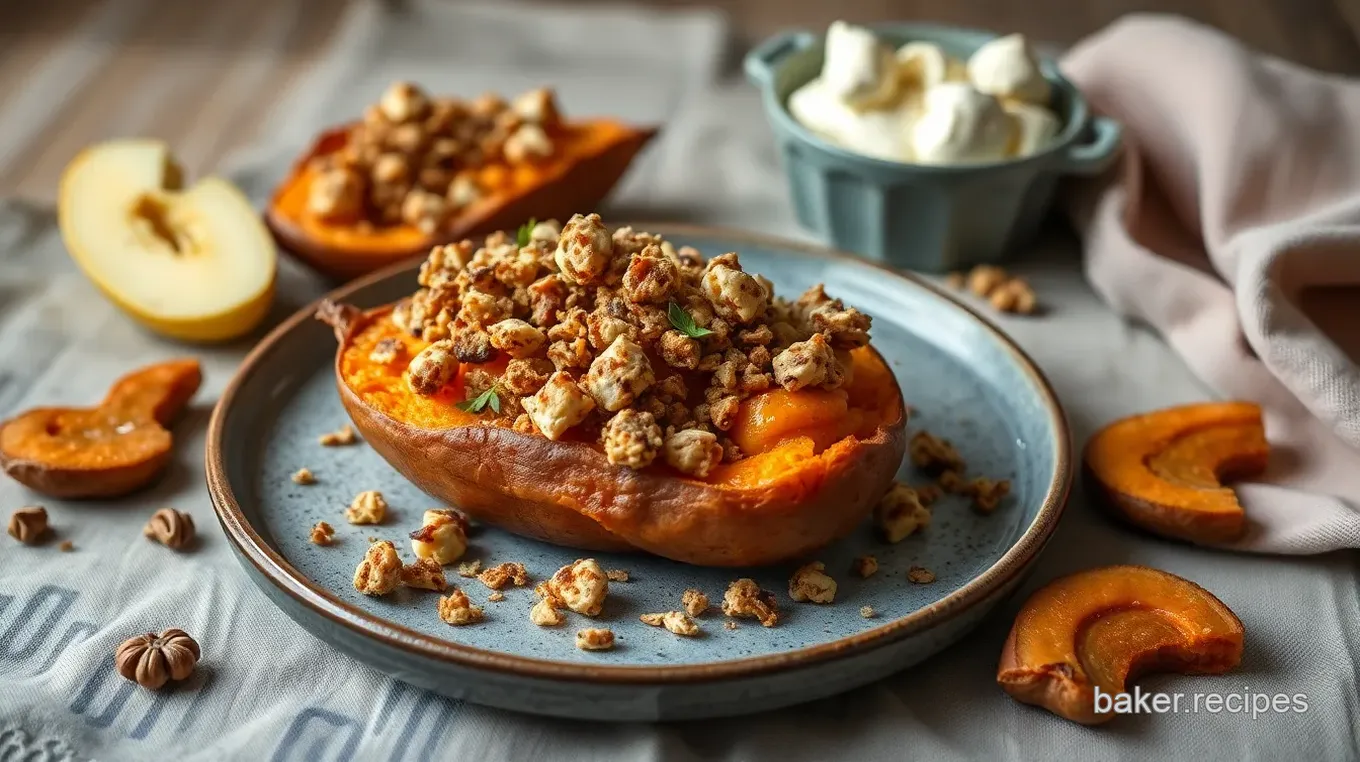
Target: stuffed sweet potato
{"x":608,"y":392}
{"x":418,"y":171}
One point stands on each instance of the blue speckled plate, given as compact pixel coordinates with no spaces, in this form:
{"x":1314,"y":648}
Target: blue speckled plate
{"x":965,"y":380}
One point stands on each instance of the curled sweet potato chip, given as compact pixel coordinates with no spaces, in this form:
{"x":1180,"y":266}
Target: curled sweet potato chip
{"x":104,"y":451}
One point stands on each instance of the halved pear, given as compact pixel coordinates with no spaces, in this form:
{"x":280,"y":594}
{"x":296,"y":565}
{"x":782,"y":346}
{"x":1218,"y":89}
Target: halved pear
{"x":194,"y":264}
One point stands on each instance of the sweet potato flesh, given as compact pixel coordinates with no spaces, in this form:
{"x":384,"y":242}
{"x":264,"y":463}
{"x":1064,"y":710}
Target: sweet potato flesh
{"x":1104,"y":627}
{"x":1164,"y":470}
{"x":777,"y":430}
{"x":99,"y":451}
{"x":500,"y":182}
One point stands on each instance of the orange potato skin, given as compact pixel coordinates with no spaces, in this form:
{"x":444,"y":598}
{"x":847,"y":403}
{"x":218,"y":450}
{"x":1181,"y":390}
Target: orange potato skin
{"x":566,"y":492}
{"x":566,"y":185}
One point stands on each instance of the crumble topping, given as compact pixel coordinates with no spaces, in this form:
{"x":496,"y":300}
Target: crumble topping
{"x":322,"y":533}
{"x":457,"y":609}
{"x":694,"y":602}
{"x":580,"y":586}
{"x":368,"y":507}
{"x":987,"y":493}
{"x":470,"y":569}
{"x":899,"y":514}
{"x":595,"y":639}
{"x":545,"y":614}
{"x":616,"y":575}
{"x":1005,"y":292}
{"x":811,"y":583}
{"x":495,"y":596}
{"x":744,"y":598}
{"x":619,"y":336}
{"x":414,"y":158}
{"x":425,"y":574}
{"x":500,"y":575}
{"x":920,"y":575}
{"x":303,"y":476}
{"x":339,"y":438}
{"x":677,"y":622}
{"x":379,"y":572}
{"x":932,"y":454}
{"x":864,"y":566}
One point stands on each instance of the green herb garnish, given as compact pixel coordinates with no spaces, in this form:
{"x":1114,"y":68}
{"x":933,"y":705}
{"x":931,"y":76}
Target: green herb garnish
{"x":480,"y":402}
{"x":684,"y":322}
{"x":525,"y":231}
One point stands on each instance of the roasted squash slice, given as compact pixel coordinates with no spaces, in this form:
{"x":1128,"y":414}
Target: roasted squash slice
{"x":590,"y":158}
{"x":816,"y":463}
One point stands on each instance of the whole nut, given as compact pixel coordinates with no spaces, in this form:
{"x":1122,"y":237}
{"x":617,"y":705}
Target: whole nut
{"x":171,"y":528}
{"x":28,"y":524}
{"x":152,"y":660}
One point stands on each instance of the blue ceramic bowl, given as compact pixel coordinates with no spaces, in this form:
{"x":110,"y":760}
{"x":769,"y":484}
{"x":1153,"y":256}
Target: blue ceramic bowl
{"x":924,"y":217}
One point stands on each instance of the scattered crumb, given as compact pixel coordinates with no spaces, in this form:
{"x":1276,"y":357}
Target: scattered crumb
{"x":928,"y":493}
{"x":496,"y":596}
{"x":545,"y":614}
{"x":933,"y":454}
{"x":899,"y":514}
{"x":595,"y":639}
{"x":864,"y":567}
{"x":339,"y":438}
{"x":304,"y":476}
{"x":677,"y":622}
{"x":1016,"y":297}
{"x":457,"y":610}
{"x":1005,"y":292}
{"x":694,"y":601}
{"x":504,"y":574}
{"x":730,"y":624}
{"x":811,"y":583}
{"x":425,"y":574}
{"x":984,"y":279}
{"x":744,"y":598}
{"x":66,"y":546}
{"x":920,"y":575}
{"x":987,"y":493}
{"x":617,"y":575}
{"x":371,"y":538}
{"x":469,"y":568}
{"x":368,"y":507}
{"x":323,"y":534}
{"x":867,"y":612}
{"x":580,"y":586}
{"x":379,"y":572}
{"x":950,"y":481}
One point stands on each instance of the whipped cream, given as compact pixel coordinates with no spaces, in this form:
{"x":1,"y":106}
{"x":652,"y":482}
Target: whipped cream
{"x":918,"y":104}
{"x":1007,"y":68}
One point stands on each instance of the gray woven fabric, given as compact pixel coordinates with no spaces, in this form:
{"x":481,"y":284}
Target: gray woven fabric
{"x":266,"y":690}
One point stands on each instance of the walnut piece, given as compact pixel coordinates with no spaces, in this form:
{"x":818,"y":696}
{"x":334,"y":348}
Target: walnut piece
{"x":932,"y":454}
{"x":595,"y":639}
{"x":580,"y":586}
{"x":322,"y":534}
{"x":339,"y":438}
{"x":616,"y":575}
{"x":337,"y":194}
{"x":152,"y":660}
{"x":744,"y":598}
{"x":920,"y":575}
{"x":987,"y":493}
{"x":984,"y":279}
{"x":545,"y":614}
{"x":694,"y":602}
{"x":677,"y":622}
{"x":864,"y":566}
{"x":458,"y":610}
{"x":29,"y":524}
{"x":171,"y":528}
{"x":632,"y":439}
{"x":497,"y":577}
{"x":811,"y":583}
{"x":899,"y":514}
{"x":379,"y":572}
{"x":425,"y":574}
{"x":304,"y":476}
{"x":368,"y":507}
{"x":442,"y":538}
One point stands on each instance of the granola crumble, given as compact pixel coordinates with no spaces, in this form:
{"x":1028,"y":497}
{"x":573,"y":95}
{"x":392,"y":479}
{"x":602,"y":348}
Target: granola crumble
{"x":545,"y":614}
{"x":580,"y":586}
{"x":304,"y":476}
{"x":932,"y":454}
{"x":677,"y":622}
{"x":616,"y":575}
{"x":595,"y":639}
{"x":500,"y":575}
{"x":899,"y":514}
{"x":322,"y":534}
{"x":730,"y":625}
{"x":920,"y":575}
{"x":744,"y":598}
{"x":811,"y":583}
{"x":694,"y":602}
{"x":495,"y":596}
{"x":470,"y":568}
{"x":458,"y":610}
{"x":425,"y":574}
{"x":368,"y":507}
{"x":864,"y":566}
{"x":379,"y":572}
{"x":339,"y":438}
{"x":987,"y":493}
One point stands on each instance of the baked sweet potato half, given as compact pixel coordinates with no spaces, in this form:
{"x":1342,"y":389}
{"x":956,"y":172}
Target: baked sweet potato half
{"x":420,"y":171}
{"x":815,"y":461}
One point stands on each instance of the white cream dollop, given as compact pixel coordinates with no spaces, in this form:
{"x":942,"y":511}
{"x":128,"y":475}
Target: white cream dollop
{"x":856,"y":67}
{"x":960,"y":125}
{"x":1034,"y":127}
{"x":1007,"y":68}
{"x":873,"y":133}
{"x":923,"y":64}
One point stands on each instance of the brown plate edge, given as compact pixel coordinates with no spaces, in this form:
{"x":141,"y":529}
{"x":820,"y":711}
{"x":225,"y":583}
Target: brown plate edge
{"x":274,"y":567}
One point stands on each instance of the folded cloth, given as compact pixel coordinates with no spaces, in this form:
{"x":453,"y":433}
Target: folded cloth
{"x":1229,"y":227}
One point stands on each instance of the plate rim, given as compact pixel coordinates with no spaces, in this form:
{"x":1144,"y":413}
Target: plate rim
{"x":271,"y":565}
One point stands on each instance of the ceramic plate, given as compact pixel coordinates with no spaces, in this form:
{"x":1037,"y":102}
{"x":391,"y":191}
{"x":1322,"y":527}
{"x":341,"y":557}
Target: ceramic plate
{"x":965,"y":380}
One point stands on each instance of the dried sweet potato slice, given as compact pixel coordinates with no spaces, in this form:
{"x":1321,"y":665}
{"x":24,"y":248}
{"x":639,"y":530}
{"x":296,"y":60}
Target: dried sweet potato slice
{"x":591,"y":158}
{"x":1164,"y":471}
{"x":104,"y":451}
{"x":1103,"y":627}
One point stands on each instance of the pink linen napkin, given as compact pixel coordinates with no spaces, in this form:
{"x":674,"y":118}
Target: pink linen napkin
{"x":1230,"y":228}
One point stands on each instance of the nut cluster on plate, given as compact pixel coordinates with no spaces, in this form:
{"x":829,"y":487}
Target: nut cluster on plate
{"x":414,"y":158}
{"x":619,"y":336}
